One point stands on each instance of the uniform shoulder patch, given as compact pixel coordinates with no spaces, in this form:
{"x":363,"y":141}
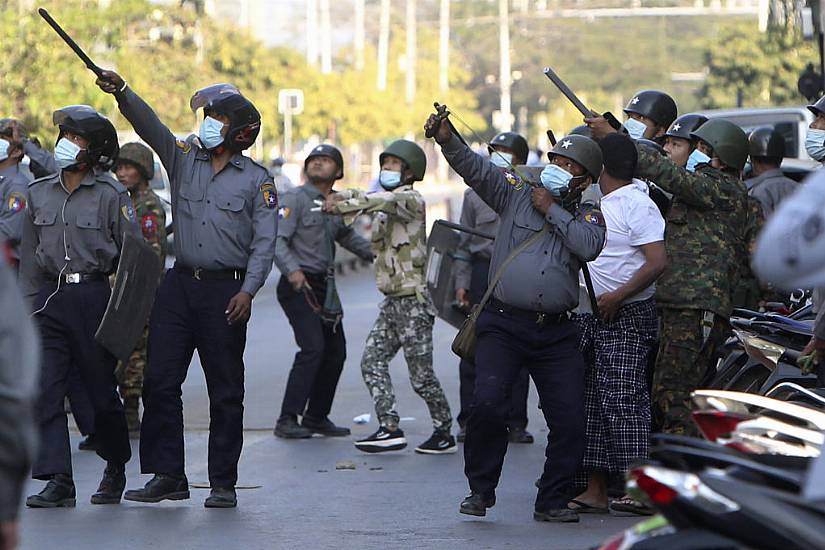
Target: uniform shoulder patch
{"x":184,"y":146}
{"x":128,"y":212}
{"x":594,"y":217}
{"x":16,"y":202}
{"x":269,"y":194}
{"x":283,"y":212}
{"x":514,"y":180}
{"x":149,"y":227}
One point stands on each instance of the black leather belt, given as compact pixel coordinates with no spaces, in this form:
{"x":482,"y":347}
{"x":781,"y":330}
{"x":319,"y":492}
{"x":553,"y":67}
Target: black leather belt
{"x":538,"y":317}
{"x":201,"y":274}
{"x":74,"y":278}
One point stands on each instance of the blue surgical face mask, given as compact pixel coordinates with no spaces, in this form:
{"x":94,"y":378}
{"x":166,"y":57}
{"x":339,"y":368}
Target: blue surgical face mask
{"x":634,"y":128}
{"x":389,"y":179}
{"x":555,"y":179}
{"x":210,"y":132}
{"x":4,"y":149}
{"x":502,"y":160}
{"x":696,"y":157}
{"x":815,"y":143}
{"x":65,"y":153}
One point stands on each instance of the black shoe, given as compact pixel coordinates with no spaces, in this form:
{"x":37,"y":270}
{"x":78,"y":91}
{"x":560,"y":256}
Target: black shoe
{"x":476,"y":505}
{"x":58,"y":493}
{"x":111,"y":486}
{"x":559,"y":515}
{"x":288,"y":428}
{"x":221,"y":498}
{"x":462,"y":435}
{"x":160,"y":487}
{"x":440,"y":443}
{"x":383,"y":440}
{"x":325,"y":426}
{"x":89,"y":443}
{"x":520,"y":435}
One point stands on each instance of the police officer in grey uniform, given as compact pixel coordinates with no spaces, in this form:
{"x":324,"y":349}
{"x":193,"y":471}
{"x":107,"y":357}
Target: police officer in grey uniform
{"x":225,"y":210}
{"x":72,"y":235}
{"x":507,"y":149}
{"x":305,"y":254}
{"x":526,"y":322}
{"x":768,"y":185}
{"x":13,"y":186}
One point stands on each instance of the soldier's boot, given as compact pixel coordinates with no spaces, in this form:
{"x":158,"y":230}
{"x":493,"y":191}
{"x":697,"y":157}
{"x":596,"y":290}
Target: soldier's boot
{"x":111,"y":486}
{"x":476,"y":504}
{"x":160,"y":487}
{"x":221,"y":497}
{"x":287,"y":427}
{"x":130,"y":408}
{"x":324,"y":426}
{"x":59,"y":492}
{"x":520,"y":435}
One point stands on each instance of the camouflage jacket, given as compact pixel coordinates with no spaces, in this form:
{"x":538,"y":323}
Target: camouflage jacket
{"x":704,"y":234}
{"x":747,"y":292}
{"x":399,"y":239}
{"x":152,"y":220}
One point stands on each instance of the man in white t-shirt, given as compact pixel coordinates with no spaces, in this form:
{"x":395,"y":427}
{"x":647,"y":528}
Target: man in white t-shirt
{"x":616,"y":343}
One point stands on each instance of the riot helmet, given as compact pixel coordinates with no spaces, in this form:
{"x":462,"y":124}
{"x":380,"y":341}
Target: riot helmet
{"x":87,"y":123}
{"x":227,"y":100}
{"x":329,"y":151}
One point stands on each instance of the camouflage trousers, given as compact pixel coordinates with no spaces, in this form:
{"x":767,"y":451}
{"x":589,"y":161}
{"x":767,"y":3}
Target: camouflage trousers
{"x":130,"y":374}
{"x":403,"y":322}
{"x":688,"y":344}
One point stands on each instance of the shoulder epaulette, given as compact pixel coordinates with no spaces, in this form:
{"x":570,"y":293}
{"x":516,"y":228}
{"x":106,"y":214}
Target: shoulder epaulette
{"x":50,"y":177}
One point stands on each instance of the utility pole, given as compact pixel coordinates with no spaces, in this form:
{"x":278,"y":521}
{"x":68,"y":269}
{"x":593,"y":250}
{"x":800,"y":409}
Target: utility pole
{"x":383,"y":45}
{"x":444,"y":47}
{"x":326,"y":39}
{"x":411,"y":51}
{"x":505,"y":76}
{"x":359,"y":35}
{"x":312,"y":32}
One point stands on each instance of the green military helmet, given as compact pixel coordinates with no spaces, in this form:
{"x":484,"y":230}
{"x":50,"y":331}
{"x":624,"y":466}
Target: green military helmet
{"x":727,"y":140}
{"x":580,"y":149}
{"x":655,"y":105}
{"x":410,"y":153}
{"x":140,"y":156}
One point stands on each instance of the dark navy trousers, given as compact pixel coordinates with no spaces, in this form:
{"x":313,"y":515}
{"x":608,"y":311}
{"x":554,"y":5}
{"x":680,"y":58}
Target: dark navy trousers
{"x":320,"y":358}
{"x":467,"y":370}
{"x":190,"y":314}
{"x":506,"y":344}
{"x":67,"y":328}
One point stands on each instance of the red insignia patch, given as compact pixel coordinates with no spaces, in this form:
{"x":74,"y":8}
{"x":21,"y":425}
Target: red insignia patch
{"x":149,"y":226}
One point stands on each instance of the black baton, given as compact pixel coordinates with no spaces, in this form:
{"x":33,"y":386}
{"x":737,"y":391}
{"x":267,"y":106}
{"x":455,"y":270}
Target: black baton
{"x":72,"y":44}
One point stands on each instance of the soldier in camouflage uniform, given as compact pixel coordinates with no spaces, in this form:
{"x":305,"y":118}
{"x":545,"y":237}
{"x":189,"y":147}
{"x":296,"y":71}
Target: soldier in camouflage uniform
{"x":407,"y":313}
{"x":134,"y":169}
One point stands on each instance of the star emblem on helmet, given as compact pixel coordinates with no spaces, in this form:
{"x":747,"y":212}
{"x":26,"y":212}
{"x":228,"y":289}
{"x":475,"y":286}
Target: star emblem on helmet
{"x":566,"y":144}
{"x":677,"y":127}
{"x":635,"y":100}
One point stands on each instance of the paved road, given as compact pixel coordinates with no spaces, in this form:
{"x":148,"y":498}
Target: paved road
{"x":296,"y":497}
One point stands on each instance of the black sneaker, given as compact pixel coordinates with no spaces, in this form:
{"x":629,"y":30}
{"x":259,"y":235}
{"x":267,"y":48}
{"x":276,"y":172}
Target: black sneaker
{"x":440,"y":443}
{"x":559,"y":515}
{"x":221,"y":498}
{"x":382,"y":441}
{"x":325,"y":426}
{"x":519,"y":435}
{"x":58,"y":493}
{"x":287,"y":427}
{"x":89,"y":443}
{"x":111,"y":486}
{"x":160,"y":487}
{"x":475,"y":504}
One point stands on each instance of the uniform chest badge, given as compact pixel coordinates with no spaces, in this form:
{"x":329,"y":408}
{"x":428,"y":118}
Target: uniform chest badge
{"x":270,"y":195}
{"x":17,"y":202}
{"x":128,"y":212}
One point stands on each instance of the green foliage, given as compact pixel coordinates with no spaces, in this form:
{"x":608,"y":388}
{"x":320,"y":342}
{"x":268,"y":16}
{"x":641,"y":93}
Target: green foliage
{"x":764,"y":66}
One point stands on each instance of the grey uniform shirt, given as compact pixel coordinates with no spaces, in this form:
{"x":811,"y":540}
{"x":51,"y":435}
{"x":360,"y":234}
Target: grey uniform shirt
{"x":770,"y":188}
{"x":544,"y":277}
{"x":19,"y":365}
{"x":227,"y":220}
{"x":301,"y":233}
{"x":13,"y":185}
{"x":86,"y":226}
{"x":475,"y":214}
{"x":43,"y":163}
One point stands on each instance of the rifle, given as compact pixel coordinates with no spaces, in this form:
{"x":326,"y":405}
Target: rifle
{"x":72,"y":44}
{"x":577,"y":103}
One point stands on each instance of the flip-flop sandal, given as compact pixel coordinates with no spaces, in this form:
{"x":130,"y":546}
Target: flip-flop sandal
{"x":584,"y":508}
{"x":626,"y":507}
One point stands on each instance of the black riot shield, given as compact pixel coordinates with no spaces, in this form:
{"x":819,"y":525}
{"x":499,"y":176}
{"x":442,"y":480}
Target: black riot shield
{"x":136,"y":281}
{"x":442,"y":247}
